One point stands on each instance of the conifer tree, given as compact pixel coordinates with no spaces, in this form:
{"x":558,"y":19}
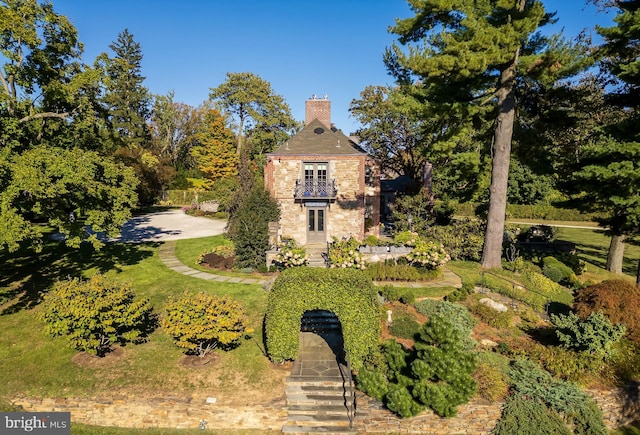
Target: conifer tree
{"x":611,"y":171}
{"x":126,"y":99}
{"x":468,"y":57}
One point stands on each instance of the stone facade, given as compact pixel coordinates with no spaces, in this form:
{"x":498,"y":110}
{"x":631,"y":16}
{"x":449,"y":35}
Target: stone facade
{"x":351,"y":210}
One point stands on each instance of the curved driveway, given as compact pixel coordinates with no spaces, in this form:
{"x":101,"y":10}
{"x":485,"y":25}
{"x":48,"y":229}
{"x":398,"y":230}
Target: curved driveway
{"x":169,"y":225}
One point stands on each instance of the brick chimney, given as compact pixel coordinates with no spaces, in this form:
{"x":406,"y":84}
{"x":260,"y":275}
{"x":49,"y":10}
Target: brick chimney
{"x":320,"y":109}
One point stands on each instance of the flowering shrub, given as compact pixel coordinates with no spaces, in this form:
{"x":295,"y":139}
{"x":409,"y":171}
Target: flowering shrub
{"x":428,"y":254}
{"x":345,"y":254}
{"x":407,"y":238}
{"x":290,"y":255}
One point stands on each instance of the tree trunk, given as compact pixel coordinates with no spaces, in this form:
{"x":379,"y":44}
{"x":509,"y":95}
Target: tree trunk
{"x":616,"y":254}
{"x":638,"y":274}
{"x":501,"y":150}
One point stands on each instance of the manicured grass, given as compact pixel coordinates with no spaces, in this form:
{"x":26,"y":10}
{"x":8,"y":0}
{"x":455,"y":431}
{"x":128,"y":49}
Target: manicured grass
{"x":592,"y":246}
{"x":34,"y":364}
{"x":426,"y":292}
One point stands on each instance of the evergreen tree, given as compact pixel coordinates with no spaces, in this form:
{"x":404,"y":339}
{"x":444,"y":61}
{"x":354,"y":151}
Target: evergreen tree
{"x":466,"y":55}
{"x":126,"y":98}
{"x":127,"y":103}
{"x":262,"y":116}
{"x":612,"y":168}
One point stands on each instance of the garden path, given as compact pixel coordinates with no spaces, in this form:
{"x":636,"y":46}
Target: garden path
{"x":168,"y":257}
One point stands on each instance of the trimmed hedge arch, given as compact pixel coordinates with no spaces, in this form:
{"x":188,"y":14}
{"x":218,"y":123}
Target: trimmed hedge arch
{"x":348,"y":293}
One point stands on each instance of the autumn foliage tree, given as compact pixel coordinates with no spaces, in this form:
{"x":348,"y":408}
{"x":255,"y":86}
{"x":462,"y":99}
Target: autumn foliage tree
{"x":200,"y":323}
{"x":215,"y":152}
{"x":619,"y":300}
{"x":96,"y":314}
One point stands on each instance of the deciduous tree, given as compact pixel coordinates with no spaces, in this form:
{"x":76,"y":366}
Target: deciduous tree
{"x":49,"y":114}
{"x":200,"y":323}
{"x":214,"y":150}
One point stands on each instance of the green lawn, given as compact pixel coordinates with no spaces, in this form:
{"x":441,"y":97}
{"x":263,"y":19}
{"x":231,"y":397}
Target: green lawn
{"x":593,"y":245}
{"x":33,"y":363}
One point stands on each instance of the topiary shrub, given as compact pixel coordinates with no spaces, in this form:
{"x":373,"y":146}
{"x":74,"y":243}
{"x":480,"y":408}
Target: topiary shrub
{"x":200,"y":323}
{"x":559,"y":272}
{"x":96,"y":313}
{"x":617,"y":299}
{"x":348,"y":293}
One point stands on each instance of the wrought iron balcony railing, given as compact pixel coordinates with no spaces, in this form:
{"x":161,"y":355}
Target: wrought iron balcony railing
{"x":315,"y":189}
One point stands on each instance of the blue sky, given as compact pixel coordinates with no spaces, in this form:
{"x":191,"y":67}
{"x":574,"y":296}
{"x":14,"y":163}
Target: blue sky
{"x":301,"y":47}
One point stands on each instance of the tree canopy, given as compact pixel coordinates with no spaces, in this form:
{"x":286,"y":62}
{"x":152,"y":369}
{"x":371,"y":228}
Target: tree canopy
{"x":468,"y":57}
{"x":49,"y":123}
{"x":262,"y":115}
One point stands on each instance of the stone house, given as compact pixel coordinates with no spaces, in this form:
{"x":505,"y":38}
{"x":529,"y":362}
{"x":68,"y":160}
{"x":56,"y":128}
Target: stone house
{"x":326,"y":185}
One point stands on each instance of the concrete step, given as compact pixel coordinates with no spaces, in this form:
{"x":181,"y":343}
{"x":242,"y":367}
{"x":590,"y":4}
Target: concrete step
{"x":315,"y":381}
{"x":327,"y":430}
{"x":320,"y":410}
{"x":314,"y":400}
{"x":325,"y":388}
{"x":319,"y":420}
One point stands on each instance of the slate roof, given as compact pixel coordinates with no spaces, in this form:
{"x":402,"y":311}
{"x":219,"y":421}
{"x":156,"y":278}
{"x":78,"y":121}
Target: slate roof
{"x":315,"y":139}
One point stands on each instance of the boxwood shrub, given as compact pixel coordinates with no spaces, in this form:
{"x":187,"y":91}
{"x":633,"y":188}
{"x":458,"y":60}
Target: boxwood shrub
{"x":348,"y":293}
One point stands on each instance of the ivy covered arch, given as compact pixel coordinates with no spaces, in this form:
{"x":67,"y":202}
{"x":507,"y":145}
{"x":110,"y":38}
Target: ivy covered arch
{"x":348,"y":293}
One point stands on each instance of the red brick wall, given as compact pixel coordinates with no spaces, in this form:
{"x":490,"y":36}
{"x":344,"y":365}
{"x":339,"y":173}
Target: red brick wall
{"x":318,"y":109}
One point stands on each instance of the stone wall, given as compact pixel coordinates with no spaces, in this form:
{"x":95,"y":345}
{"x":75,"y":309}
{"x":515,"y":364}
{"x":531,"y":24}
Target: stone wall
{"x":620,"y":407}
{"x":179,"y":413}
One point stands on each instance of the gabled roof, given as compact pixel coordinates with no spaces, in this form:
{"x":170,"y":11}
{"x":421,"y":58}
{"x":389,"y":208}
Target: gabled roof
{"x":315,"y":139}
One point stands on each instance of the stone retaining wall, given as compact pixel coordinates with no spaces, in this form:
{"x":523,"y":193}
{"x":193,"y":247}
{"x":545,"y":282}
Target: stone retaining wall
{"x":620,"y":408}
{"x":180,"y":413}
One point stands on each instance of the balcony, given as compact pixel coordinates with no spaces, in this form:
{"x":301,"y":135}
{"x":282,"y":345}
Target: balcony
{"x":315,"y":189}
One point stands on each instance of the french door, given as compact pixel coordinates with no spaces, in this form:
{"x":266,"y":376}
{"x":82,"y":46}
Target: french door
{"x":316,"y":225}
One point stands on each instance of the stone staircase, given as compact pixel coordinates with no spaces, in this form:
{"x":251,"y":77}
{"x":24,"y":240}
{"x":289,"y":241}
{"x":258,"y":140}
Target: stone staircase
{"x":317,"y":254}
{"x":320,"y":389}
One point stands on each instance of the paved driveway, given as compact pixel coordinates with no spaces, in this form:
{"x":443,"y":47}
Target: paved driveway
{"x":169,"y":225}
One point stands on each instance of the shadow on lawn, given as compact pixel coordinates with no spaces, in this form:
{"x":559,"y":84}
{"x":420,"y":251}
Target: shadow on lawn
{"x":597,"y":255}
{"x":26,"y":274}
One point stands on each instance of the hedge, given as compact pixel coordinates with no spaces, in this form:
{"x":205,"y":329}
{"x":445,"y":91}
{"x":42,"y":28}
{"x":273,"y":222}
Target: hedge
{"x":348,"y":293}
{"x":540,"y":211}
{"x":186,"y":197}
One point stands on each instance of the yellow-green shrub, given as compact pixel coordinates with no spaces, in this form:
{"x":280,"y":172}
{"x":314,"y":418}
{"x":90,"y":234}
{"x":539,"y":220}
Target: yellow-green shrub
{"x":348,"y":293}
{"x":96,"y":313}
{"x":202,"y":322}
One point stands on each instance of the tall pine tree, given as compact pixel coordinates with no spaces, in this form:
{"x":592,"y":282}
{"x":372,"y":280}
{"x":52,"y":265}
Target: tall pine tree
{"x":469,"y":56}
{"x":612,"y":167}
{"x":126,"y":98}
